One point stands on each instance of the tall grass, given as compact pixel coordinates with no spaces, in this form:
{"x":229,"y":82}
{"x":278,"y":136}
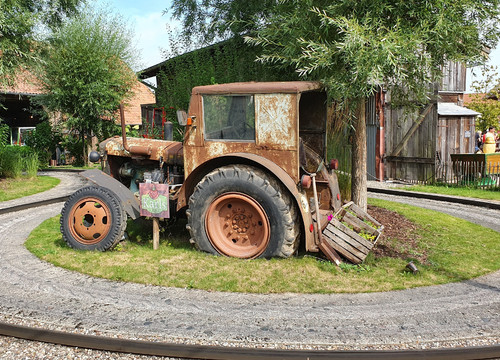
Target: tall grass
{"x":11,"y":162}
{"x":31,"y":165}
{"x":16,"y":159}
{"x":340,"y":149}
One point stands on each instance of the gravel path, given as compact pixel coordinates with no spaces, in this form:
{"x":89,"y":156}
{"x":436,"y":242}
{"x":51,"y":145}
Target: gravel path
{"x":37,"y":293}
{"x":70,"y":182}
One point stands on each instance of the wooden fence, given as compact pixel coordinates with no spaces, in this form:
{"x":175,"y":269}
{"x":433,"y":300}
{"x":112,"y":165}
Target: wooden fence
{"x":478,"y":174}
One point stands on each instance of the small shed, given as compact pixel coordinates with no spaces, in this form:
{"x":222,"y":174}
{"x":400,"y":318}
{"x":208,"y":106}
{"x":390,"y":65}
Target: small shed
{"x":456,"y":129}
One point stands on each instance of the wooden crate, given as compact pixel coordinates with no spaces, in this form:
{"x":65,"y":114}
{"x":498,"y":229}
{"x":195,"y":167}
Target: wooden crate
{"x":343,"y":231}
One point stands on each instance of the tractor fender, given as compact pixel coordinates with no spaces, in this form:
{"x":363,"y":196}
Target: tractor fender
{"x":260,"y":162}
{"x":129,"y":201}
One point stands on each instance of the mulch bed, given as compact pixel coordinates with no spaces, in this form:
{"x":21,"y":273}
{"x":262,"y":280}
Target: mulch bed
{"x":399,"y":238}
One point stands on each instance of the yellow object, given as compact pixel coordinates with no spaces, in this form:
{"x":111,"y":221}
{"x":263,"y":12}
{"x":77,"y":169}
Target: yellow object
{"x":489,"y":143}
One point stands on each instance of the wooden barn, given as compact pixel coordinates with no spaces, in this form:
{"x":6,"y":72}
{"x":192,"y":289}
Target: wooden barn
{"x":418,"y":145}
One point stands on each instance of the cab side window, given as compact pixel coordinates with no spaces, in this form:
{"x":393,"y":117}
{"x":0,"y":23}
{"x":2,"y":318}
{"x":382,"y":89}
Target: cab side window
{"x":230,"y":118}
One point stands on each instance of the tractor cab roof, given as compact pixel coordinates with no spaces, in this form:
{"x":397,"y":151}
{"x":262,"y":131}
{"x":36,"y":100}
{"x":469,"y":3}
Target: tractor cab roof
{"x":288,"y":87}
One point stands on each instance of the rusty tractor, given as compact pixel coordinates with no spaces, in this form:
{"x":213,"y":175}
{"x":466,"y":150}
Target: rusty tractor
{"x":251,"y":174}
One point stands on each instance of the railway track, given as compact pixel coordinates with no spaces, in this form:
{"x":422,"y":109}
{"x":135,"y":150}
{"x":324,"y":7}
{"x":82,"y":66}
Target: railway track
{"x":224,"y":353}
{"x":216,"y":352}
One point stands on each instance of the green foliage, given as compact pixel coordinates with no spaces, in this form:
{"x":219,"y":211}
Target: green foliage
{"x":13,"y":160}
{"x":44,"y":140}
{"x":355,"y":268}
{"x":353,"y":46}
{"x":150,"y":131}
{"x":31,"y":164}
{"x":4,"y":134}
{"x":216,"y":19}
{"x":74,"y":145}
{"x":486,"y":100}
{"x":86,"y":75}
{"x":230,"y":61}
{"x":21,"y":22}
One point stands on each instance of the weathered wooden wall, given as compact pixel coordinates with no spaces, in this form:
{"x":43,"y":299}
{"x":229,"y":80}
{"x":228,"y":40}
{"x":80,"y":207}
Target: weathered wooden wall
{"x":455,"y":135}
{"x":454,"y":77}
{"x":416,"y":157}
{"x":414,"y":143}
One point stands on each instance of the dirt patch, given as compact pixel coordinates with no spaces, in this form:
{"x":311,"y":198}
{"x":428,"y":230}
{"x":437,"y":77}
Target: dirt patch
{"x":400,"y":238}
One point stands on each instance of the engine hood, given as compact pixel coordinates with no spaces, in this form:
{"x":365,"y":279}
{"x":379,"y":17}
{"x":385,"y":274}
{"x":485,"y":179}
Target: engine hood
{"x":152,"y":149}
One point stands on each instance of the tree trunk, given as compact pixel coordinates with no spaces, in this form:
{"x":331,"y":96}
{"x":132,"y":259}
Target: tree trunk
{"x":359,"y":192}
{"x":84,"y":149}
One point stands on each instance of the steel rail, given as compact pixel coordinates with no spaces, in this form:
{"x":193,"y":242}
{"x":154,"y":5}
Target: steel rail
{"x":148,"y":348}
{"x":141,"y":347}
{"x":33,"y":204}
{"x":438,"y":197}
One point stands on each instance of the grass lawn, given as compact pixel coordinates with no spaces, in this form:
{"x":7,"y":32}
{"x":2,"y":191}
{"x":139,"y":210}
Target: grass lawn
{"x":454,"y":252}
{"x":16,"y":188}
{"x":487,"y":194}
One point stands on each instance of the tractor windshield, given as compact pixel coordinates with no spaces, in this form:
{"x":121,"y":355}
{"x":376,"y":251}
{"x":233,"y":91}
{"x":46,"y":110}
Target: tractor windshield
{"x":229,"y":117}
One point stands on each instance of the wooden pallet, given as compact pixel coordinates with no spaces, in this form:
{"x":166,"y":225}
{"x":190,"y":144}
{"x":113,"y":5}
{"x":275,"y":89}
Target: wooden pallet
{"x":342,"y":233}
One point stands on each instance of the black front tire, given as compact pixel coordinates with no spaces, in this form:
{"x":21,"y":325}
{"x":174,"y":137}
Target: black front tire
{"x":263,"y":194}
{"x":93,"y":219}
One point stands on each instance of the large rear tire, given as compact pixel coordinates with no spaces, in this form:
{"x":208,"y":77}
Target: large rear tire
{"x":93,"y":219}
{"x":240,"y":211}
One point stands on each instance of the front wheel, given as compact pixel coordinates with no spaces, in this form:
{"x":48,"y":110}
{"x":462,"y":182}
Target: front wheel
{"x":93,"y":219}
{"x":240,"y":211}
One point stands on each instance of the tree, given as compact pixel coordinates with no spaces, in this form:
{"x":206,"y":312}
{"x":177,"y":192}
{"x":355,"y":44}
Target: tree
{"x":486,"y":99}
{"x":207,"y":21}
{"x":86,"y":75}
{"x":354,"y":47}
{"x":22,"y":23}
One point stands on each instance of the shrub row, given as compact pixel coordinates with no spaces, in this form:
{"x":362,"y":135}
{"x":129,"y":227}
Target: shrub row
{"x":14,"y":160}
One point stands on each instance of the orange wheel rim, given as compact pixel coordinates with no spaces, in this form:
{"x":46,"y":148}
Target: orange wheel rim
{"x":89,"y":221}
{"x":237,"y":226}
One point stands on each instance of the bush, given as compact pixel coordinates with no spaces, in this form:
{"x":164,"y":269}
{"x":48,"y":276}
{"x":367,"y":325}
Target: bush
{"x":4,"y":134}
{"x":75,"y":147}
{"x":11,"y":162}
{"x":44,"y":140}
{"x":16,"y":159}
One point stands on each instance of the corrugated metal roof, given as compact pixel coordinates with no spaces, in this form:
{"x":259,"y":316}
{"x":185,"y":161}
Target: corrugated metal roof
{"x":451,"y":109}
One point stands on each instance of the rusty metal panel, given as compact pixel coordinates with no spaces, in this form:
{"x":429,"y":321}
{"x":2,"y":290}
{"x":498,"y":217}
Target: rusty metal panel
{"x":276,"y":121}
{"x":170,"y":151}
{"x":287,"y":160}
{"x":128,"y":200}
{"x":193,"y":134}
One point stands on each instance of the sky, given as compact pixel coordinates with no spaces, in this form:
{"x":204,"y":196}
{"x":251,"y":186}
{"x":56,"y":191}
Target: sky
{"x":150,"y":27}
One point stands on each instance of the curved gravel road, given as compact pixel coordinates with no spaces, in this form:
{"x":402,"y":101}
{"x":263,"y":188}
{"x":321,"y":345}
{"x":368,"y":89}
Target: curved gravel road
{"x":34,"y":292}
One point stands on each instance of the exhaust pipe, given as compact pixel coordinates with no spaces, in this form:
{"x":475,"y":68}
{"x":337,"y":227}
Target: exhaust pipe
{"x":135,"y":149}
